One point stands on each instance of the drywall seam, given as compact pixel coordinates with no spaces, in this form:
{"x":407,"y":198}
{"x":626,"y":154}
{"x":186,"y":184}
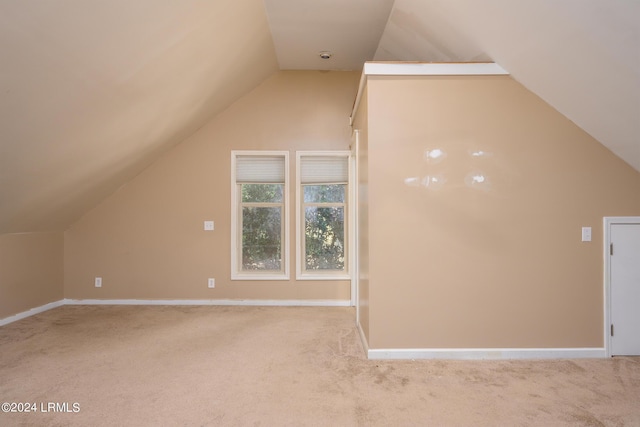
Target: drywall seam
{"x":486,"y":353}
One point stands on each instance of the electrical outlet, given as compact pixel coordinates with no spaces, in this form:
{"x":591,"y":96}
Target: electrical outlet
{"x":208,"y":226}
{"x":98,"y":282}
{"x":211,"y":283}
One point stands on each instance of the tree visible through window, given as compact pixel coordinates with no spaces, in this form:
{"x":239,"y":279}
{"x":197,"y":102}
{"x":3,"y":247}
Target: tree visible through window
{"x":259,"y":227}
{"x":324,"y":227}
{"x":323,"y":179}
{"x":262,"y":206}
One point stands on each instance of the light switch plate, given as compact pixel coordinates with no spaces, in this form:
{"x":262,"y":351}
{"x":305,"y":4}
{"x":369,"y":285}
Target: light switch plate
{"x":208,"y":225}
{"x":586,"y":234}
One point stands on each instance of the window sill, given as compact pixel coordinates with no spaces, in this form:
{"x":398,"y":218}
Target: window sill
{"x":259,"y":276}
{"x":328,"y":276}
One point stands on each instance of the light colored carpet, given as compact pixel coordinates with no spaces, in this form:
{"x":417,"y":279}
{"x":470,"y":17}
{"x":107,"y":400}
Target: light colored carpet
{"x":276,"y":366}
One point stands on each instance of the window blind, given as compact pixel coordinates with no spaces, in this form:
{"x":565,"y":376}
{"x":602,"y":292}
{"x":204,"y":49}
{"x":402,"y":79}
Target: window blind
{"x":324,"y":169}
{"x":260,"y":169}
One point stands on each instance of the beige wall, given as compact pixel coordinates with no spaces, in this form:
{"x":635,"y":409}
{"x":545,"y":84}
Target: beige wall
{"x":498,"y":263}
{"x":147,"y":239}
{"x":31,"y":271}
{"x":361,"y":124}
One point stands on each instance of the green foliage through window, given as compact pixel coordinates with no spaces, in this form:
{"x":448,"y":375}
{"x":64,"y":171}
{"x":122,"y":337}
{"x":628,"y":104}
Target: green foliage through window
{"x":262,"y":226}
{"x":262,"y":193}
{"x":324,"y":227}
{"x":333,"y":193}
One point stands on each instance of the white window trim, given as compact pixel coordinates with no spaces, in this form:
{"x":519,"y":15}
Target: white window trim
{"x":236,"y":273}
{"x":330,"y":275}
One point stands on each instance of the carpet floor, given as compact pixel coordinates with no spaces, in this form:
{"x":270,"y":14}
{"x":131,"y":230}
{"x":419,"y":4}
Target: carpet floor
{"x":279,"y":366}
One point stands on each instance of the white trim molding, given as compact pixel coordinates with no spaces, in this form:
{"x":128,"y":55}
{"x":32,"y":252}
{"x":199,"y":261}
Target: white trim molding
{"x":301,"y":274}
{"x":236,"y":273}
{"x":423,"y":69}
{"x":212,"y":302}
{"x":31,"y":312}
{"x":246,"y":302}
{"x":433,"y":69}
{"x":486,"y":353}
{"x":372,"y":354}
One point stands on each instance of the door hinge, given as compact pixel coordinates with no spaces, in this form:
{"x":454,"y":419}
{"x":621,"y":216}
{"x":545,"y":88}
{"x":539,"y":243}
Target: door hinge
{"x":611,"y":249}
{"x":612,"y":329}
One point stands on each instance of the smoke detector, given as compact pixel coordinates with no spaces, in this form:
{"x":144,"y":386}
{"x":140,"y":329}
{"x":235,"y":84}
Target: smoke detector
{"x":325,"y":54}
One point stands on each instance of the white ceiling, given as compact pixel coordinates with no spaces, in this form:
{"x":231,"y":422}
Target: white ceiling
{"x":349,"y":29}
{"x":91,"y":93}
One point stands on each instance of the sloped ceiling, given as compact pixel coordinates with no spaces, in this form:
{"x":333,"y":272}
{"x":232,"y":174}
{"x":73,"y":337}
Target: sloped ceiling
{"x":580,"y":56}
{"x":92,"y":92}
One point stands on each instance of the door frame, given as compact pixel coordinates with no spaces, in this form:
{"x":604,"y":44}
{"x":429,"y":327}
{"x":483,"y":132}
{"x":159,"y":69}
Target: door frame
{"x":608,"y":223}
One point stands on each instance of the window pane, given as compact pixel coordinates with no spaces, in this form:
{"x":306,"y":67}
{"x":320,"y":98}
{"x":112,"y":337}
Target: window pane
{"x":324,"y":238}
{"x":267,"y":193}
{"x":261,"y":238}
{"x":333,"y":193}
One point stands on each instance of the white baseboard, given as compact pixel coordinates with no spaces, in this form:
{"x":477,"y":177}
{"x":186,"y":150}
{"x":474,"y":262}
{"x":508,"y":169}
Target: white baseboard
{"x":373,"y":354}
{"x":30,"y":312}
{"x":248,"y":302}
{"x":486,"y":353}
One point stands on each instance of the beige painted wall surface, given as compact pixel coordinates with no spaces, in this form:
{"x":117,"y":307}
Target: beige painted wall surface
{"x":31,"y":271}
{"x":489,"y":253}
{"x":147,"y":239}
{"x":95,"y":92}
{"x":361,"y":124}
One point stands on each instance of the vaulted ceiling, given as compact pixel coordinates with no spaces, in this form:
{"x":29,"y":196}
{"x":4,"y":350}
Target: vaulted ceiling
{"x":93,"y":92}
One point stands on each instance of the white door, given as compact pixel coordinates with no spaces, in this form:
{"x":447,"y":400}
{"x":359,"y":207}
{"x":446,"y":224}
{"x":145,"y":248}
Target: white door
{"x":625,"y":289}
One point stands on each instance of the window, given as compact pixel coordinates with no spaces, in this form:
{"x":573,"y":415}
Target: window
{"x":322,"y":217}
{"x":260,"y":229}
